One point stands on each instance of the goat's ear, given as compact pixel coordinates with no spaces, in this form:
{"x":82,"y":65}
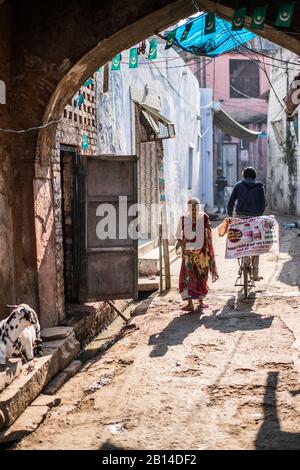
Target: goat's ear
{"x":11,"y":306}
{"x":30,"y":315}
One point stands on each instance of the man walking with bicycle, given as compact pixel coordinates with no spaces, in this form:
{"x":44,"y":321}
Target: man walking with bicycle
{"x":249,"y":197}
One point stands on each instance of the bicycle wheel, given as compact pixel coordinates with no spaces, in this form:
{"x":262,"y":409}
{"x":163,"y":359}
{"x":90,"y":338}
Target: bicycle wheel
{"x":245,"y":279}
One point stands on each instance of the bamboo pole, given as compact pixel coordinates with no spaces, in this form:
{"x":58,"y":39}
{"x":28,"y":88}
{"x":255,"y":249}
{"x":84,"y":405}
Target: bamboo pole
{"x":161,"y":287}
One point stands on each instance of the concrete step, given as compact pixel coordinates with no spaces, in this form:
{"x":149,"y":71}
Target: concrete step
{"x":149,"y":262}
{"x":146,"y":247}
{"x":29,"y":420}
{"x":148,"y":284}
{"x":35,"y":375}
{"x":9,"y":371}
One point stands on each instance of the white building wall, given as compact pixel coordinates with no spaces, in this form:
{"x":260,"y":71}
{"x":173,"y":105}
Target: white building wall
{"x":206,"y":142}
{"x":283,"y":189}
{"x":177,"y":88}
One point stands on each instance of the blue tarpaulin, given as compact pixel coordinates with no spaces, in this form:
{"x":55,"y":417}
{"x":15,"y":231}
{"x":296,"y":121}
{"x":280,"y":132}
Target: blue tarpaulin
{"x":214,"y":44}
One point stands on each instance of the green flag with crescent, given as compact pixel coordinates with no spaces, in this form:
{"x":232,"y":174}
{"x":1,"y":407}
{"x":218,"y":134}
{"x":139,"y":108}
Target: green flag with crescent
{"x":89,"y":82}
{"x":79,"y":100}
{"x":186,"y":31}
{"x":239,"y":19}
{"x":259,"y":17}
{"x":285,"y":14}
{"x":210,"y":23}
{"x":116,"y":62}
{"x":85,"y":142}
{"x":152,"y":49}
{"x":133,"y":58}
{"x":170,"y":39}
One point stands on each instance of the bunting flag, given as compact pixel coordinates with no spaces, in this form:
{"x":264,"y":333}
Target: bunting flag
{"x":170,"y":39}
{"x":285,"y":14}
{"x":210,"y":23}
{"x":259,"y":17}
{"x":85,"y":142}
{"x":152,"y":49}
{"x":89,"y":82}
{"x":116,"y":62}
{"x":186,"y":31}
{"x":133,"y":58}
{"x":79,"y":101}
{"x":239,"y":19}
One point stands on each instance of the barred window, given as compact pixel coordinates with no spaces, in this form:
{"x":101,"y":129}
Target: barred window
{"x":244,"y":78}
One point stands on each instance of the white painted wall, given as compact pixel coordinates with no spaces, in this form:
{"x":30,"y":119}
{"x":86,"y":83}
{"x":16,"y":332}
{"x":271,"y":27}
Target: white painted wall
{"x":206,"y":142}
{"x":279,"y":186}
{"x":169,"y":79}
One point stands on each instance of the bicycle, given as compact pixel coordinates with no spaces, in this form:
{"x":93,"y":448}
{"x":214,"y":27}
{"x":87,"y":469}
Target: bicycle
{"x":245,"y":274}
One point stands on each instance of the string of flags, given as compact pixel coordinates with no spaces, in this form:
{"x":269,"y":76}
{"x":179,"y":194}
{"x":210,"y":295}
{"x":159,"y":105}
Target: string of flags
{"x":134,"y":56}
{"x":283,"y":19}
{"x":258,"y":19}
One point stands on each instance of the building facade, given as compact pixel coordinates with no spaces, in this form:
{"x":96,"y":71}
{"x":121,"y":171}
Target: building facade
{"x":241,"y":87}
{"x":283,"y":136}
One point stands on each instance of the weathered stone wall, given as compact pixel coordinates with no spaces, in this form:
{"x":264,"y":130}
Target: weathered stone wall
{"x":7,"y":281}
{"x":74,"y":123}
{"x":7,"y":290}
{"x":283,"y":183}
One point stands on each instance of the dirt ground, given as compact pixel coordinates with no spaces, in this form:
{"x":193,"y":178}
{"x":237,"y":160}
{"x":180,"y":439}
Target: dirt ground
{"x":226,"y":379}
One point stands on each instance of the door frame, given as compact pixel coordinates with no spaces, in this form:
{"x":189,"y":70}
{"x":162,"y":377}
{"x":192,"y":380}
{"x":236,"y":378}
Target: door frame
{"x":237,"y":158}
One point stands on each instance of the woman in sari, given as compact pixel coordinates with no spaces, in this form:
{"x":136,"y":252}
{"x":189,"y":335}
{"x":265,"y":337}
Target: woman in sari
{"x":198,"y":257}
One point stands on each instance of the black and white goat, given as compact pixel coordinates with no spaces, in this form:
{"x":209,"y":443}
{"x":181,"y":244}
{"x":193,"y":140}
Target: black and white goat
{"x":20,"y":334}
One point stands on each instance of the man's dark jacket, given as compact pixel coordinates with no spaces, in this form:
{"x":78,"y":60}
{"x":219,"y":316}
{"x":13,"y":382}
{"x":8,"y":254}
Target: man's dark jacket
{"x":250,"y":197}
{"x":221,"y":183}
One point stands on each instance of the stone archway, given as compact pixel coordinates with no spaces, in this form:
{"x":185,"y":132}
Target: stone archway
{"x":103,"y":51}
{"x":40,"y":80}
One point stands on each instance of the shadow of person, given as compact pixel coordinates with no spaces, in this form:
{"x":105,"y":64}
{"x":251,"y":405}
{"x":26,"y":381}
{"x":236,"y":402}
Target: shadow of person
{"x":109,"y":446}
{"x":175,"y":333}
{"x":289,"y":274}
{"x":270,"y":436}
{"x":236,"y":315}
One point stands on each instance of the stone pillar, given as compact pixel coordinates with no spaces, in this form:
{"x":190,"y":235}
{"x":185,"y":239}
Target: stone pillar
{"x":45,"y":245}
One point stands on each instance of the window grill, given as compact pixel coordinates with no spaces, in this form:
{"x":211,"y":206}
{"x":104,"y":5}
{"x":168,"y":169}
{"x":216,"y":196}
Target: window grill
{"x":153,"y":125}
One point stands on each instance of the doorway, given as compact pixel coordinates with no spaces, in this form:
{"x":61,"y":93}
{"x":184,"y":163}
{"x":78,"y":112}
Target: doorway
{"x":230,"y":162}
{"x":98,"y":268}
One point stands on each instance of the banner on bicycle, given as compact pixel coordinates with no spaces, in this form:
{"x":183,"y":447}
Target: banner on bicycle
{"x":252,"y":236}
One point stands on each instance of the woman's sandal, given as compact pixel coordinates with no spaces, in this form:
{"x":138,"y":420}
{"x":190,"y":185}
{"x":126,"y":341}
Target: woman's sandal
{"x":186,"y":308}
{"x":201,"y":306}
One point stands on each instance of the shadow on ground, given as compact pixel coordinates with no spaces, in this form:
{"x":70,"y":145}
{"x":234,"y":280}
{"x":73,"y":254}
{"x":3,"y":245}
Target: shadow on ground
{"x":290,"y":273}
{"x":175,"y":333}
{"x":270,"y":435}
{"x":109,"y":446}
{"x":236,"y":315}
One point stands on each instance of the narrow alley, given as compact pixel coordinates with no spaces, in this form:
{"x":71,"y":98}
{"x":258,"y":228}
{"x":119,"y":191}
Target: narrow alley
{"x":227,"y":379}
{"x":149,"y":227}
